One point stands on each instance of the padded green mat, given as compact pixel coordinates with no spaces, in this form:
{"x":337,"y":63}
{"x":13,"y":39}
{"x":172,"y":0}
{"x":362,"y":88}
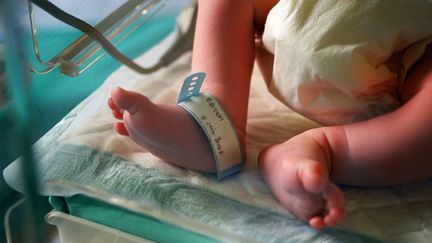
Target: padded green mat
{"x":130,"y":222}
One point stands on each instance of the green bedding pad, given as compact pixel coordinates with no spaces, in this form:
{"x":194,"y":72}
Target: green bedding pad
{"x":124,"y":220}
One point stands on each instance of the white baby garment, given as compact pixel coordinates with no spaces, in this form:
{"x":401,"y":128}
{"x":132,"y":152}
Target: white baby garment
{"x":340,"y":61}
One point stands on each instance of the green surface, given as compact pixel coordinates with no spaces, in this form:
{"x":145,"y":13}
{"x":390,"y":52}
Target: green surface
{"x":124,"y":220}
{"x":53,"y":95}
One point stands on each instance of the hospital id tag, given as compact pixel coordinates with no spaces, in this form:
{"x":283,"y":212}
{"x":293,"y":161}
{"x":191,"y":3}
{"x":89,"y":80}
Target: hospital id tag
{"x":214,"y":122}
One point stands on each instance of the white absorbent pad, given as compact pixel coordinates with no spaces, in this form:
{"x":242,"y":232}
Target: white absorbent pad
{"x":82,"y":154}
{"x":341,"y":61}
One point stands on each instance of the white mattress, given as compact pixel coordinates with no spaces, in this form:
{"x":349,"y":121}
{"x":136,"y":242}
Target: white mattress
{"x":82,"y":154}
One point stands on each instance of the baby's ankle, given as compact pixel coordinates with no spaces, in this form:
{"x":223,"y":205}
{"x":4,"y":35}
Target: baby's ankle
{"x":225,"y":137}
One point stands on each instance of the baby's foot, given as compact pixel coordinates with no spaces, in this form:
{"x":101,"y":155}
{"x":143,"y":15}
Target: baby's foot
{"x":166,"y":131}
{"x":297,"y":173}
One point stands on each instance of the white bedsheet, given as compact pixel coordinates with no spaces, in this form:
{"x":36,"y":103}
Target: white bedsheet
{"x":82,"y":154}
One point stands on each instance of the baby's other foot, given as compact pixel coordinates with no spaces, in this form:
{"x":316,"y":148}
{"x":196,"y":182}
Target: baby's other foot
{"x":298,"y":175}
{"x":167,"y":131}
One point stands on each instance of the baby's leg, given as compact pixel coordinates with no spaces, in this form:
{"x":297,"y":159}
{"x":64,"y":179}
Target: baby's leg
{"x":166,"y":131}
{"x":298,"y":174}
{"x":387,"y":150}
{"x":224,"y":49}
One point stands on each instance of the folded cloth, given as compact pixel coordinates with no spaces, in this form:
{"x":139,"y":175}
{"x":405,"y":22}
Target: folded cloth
{"x":342,"y":61}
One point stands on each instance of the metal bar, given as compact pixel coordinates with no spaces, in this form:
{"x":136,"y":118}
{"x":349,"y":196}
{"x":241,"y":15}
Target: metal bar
{"x":84,"y":47}
{"x":83,"y":57}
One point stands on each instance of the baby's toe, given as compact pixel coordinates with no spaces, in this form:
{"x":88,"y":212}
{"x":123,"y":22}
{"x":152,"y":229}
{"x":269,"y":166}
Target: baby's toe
{"x":112,"y":105}
{"x":121,"y":129}
{"x":334,"y":196}
{"x":317,"y":222}
{"x":117,"y":114}
{"x":313,"y":176}
{"x":335,"y":205}
{"x":129,"y":101}
{"x":334,"y":216}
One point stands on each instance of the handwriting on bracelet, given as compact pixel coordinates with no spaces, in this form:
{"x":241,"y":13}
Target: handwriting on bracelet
{"x":212,"y":104}
{"x":211,"y":128}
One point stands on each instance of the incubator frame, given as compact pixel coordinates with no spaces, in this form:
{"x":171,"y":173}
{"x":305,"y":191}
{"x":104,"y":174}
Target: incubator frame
{"x":82,"y":53}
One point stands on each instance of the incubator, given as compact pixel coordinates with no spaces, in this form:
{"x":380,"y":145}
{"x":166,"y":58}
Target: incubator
{"x":84,"y":183}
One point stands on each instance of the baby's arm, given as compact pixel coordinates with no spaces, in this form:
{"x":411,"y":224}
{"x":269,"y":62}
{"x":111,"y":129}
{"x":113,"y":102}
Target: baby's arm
{"x":390,"y":149}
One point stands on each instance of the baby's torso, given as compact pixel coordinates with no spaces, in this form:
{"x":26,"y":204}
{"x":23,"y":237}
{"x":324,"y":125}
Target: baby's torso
{"x":339,"y":61}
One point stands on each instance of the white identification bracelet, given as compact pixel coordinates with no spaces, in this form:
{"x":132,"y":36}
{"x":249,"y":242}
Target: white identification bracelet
{"x":211,"y":117}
